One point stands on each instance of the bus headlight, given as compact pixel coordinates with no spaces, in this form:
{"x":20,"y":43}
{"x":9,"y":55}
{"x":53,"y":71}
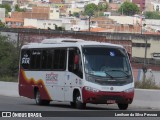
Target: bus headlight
{"x":129,"y":90}
{"x":91,"y":89}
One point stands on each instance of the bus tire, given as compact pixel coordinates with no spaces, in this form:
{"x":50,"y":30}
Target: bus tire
{"x":77,"y":101}
{"x":122,"y":106}
{"x":38,"y":99}
{"x":72,"y":104}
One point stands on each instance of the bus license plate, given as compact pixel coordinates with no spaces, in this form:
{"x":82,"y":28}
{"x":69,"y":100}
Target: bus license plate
{"x":111,"y":101}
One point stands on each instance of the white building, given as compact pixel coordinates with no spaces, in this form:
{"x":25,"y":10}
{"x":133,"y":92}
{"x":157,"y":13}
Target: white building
{"x":2,"y":14}
{"x":153,"y":24}
{"x":156,"y":6}
{"x":43,"y":24}
{"x":11,"y":2}
{"x":54,"y":13}
{"x":129,"y":20}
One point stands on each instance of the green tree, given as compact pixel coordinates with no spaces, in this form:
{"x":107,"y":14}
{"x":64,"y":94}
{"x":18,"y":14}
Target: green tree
{"x":90,"y":9}
{"x":17,"y":8}
{"x":76,"y":14}
{"x":2,"y":25}
{"x":7,"y":8}
{"x":128,"y":8}
{"x":8,"y":58}
{"x":152,"y":15}
{"x":103,"y":6}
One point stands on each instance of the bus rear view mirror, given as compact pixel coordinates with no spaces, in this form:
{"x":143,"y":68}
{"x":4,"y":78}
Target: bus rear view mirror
{"x":76,"y":59}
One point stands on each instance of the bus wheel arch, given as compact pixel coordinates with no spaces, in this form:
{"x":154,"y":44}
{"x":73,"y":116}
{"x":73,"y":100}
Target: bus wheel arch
{"x":77,"y":100}
{"x":38,"y":99}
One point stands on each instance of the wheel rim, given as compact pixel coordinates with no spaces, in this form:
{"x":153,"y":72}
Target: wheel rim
{"x":37,"y":97}
{"x":78,"y":98}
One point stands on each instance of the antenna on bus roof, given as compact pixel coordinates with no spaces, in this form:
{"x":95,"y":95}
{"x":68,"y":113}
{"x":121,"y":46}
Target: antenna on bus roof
{"x":60,"y":40}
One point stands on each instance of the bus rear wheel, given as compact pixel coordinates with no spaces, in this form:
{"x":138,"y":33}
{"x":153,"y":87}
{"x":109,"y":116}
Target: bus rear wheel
{"x":77,"y":101}
{"x":38,"y":99}
{"x":122,"y":106}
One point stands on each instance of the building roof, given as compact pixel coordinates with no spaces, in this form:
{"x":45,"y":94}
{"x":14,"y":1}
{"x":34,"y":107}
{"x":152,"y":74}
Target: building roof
{"x":98,"y":29}
{"x":56,"y":1}
{"x":14,"y":26}
{"x":22,"y":15}
{"x":40,"y":9}
{"x":14,"y":20}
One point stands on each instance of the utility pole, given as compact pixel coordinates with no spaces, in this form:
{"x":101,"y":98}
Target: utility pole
{"x":89,"y":27}
{"x":145,"y":53}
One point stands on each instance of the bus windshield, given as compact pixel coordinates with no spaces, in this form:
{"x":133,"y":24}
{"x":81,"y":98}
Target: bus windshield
{"x":106,"y":62}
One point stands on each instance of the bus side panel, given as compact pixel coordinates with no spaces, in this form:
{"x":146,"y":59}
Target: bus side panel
{"x":26,"y":87}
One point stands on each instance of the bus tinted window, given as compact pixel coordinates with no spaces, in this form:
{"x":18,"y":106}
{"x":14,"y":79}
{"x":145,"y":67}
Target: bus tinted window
{"x":35,"y":59}
{"x":62,"y":60}
{"x":44,"y":59}
{"x":59,"y":59}
{"x":25,"y":59}
{"x":50,"y":55}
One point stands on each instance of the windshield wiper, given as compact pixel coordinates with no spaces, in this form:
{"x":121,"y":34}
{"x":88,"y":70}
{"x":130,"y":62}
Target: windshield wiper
{"x":127,"y":75}
{"x":108,"y":74}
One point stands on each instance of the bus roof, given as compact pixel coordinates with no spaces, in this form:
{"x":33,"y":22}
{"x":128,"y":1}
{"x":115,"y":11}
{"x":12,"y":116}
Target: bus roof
{"x":66,"y":42}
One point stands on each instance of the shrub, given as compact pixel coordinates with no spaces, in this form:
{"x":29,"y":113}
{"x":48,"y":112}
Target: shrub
{"x":9,"y":59}
{"x":147,"y":84}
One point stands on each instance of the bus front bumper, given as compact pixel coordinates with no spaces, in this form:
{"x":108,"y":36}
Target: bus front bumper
{"x":103,"y":97}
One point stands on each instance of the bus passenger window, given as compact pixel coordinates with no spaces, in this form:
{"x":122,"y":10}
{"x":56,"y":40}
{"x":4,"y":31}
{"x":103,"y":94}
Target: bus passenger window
{"x":59,"y":59}
{"x":50,"y":54}
{"x":44,"y":59}
{"x":35,"y":59}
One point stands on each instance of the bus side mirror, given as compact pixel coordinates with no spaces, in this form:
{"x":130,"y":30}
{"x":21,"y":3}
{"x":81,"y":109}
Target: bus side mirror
{"x":76,"y":59}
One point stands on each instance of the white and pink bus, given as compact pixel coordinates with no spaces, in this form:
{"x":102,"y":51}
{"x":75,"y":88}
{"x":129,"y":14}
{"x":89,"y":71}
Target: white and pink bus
{"x":76,"y":71}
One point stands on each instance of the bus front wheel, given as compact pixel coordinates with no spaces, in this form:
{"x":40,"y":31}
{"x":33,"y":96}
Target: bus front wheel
{"x":38,"y":99}
{"x":77,"y":101}
{"x":122,"y":106}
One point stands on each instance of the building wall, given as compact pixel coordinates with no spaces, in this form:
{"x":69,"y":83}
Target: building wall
{"x":30,"y":22}
{"x":11,"y":2}
{"x":138,"y":49}
{"x":54,"y":13}
{"x":40,"y":9}
{"x":140,"y":3}
{"x":149,"y":5}
{"x":153,"y":24}
{"x":125,"y":19}
{"x":138,"y":43}
{"x":156,"y":6}
{"x":56,"y":1}
{"x":45,"y":24}
{"x":38,"y":13}
{"x":42,"y":24}
{"x":2,"y":14}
